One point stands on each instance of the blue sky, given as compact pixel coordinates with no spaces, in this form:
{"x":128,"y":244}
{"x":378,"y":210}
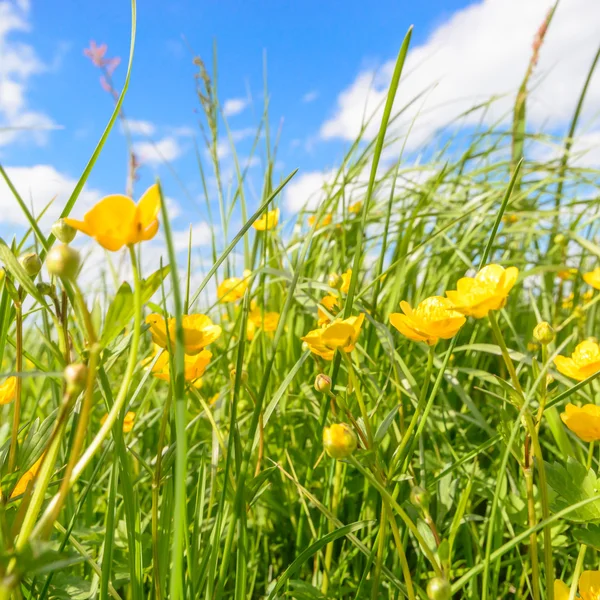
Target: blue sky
{"x":327,"y":63}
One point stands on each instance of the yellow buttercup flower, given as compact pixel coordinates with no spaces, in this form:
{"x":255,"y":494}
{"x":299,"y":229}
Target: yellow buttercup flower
{"x":337,"y":335}
{"x":128,"y":421}
{"x":346,"y":277}
{"x":268,"y":220}
{"x":331,"y":304}
{"x":326,"y":220}
{"x":27,"y":477}
{"x":194,"y":365}
{"x":258,"y":319}
{"x":356,"y":207}
{"x":432,"y":319}
{"x":234,"y":288}
{"x":593,"y":278}
{"x":8,"y":390}
{"x":584,"y":361}
{"x":117,"y":221}
{"x":589,"y":587}
{"x":488,"y":290}
{"x":198,"y":332}
{"x":584,"y":422}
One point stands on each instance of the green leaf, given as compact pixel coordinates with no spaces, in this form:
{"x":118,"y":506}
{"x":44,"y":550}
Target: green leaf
{"x":121,"y":310}
{"x":573,"y":484}
{"x":590,"y":535}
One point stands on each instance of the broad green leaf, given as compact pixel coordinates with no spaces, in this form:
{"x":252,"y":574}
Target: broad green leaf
{"x":590,"y":535}
{"x":120,"y":312}
{"x":573,"y":484}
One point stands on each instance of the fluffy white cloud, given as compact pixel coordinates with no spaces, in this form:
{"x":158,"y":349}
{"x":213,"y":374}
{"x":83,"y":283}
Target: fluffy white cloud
{"x":137,"y":127}
{"x":234,"y":106}
{"x":481,"y":51}
{"x":38,"y":186}
{"x":307,"y":190}
{"x":154,"y":153}
{"x":18,"y":62}
{"x":201,"y":236}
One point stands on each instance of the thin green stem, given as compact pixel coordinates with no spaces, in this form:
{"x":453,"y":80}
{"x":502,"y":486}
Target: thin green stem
{"x":12,"y":454}
{"x":113,"y":414}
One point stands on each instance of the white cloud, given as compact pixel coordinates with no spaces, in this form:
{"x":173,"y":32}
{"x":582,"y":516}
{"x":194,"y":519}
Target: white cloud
{"x":310,"y":96}
{"x":201,"y":236}
{"x":234,"y":106}
{"x":481,"y":51}
{"x":18,"y":63}
{"x":38,"y":186}
{"x":308,"y":190}
{"x":154,"y":153}
{"x":140,"y":127}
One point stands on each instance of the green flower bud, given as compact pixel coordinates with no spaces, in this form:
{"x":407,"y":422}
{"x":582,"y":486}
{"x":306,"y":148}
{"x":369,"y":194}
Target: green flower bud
{"x":335,"y":281}
{"x":76,"y":378}
{"x":63,"y":261}
{"x":560,"y":239}
{"x":420,"y":497}
{"x":339,"y":440}
{"x":323,"y":383}
{"x":544,"y":333}
{"x":439,"y":589}
{"x":45,"y":289}
{"x":63,"y":232}
{"x":31,"y":263}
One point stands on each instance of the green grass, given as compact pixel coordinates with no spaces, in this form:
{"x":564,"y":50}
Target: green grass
{"x":224,"y":490}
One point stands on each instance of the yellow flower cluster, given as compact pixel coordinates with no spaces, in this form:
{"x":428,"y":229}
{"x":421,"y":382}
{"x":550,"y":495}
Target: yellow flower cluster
{"x":438,"y":317}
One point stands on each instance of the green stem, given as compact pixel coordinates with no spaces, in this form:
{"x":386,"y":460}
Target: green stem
{"x":361,"y":403}
{"x":391,"y":502}
{"x":12,"y":454}
{"x":505,"y":354}
{"x":537,"y":452}
{"x":113,"y":414}
{"x":577,"y":572}
{"x":402,"y":451}
{"x":335,"y":501}
{"x":533,"y":549}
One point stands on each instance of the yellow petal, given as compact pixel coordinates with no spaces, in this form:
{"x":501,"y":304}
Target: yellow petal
{"x":561,"y":590}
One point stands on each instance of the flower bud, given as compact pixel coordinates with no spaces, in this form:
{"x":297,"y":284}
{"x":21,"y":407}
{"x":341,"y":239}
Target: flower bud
{"x":63,"y":232}
{"x":420,"y":497}
{"x":323,"y":383}
{"x":339,"y":440}
{"x":544,"y":333}
{"x":75,"y":377}
{"x":63,"y":261}
{"x":439,"y":589}
{"x":560,"y":239}
{"x":335,"y":281}
{"x":45,"y":289}
{"x":31,"y":263}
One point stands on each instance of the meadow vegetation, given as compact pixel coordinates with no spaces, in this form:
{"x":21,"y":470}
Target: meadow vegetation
{"x":391,"y":395}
